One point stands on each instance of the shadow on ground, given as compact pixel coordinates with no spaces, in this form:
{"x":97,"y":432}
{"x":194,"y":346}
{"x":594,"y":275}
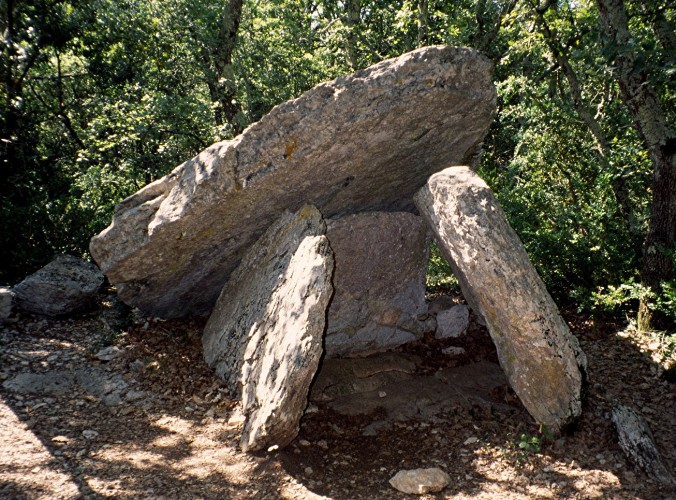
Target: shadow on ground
{"x":154,"y":422}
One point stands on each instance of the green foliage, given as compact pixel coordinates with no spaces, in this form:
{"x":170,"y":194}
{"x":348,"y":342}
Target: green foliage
{"x":528,"y":443}
{"x":440,"y":277}
{"x":99,"y":98}
{"x":627,"y":296}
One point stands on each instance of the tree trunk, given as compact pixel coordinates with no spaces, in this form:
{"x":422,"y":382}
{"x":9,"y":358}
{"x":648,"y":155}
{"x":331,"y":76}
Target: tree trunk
{"x":423,"y":22}
{"x":660,"y":141}
{"x":220,"y":72}
{"x":352,"y":20}
{"x":603,"y":150}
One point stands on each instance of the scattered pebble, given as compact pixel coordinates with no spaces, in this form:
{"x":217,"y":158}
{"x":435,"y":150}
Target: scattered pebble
{"x":90,"y":434}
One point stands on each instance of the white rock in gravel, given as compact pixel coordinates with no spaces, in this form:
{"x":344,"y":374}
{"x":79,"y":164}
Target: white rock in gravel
{"x":452,"y":322}
{"x":453,"y":351}
{"x":90,"y":434}
{"x":420,"y":481}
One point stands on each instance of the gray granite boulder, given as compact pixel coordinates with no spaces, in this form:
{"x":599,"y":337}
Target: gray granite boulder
{"x":65,"y":285}
{"x":543,"y":361}
{"x":363,"y":142}
{"x":452,"y":322}
{"x":379,"y":303}
{"x":264,"y":337}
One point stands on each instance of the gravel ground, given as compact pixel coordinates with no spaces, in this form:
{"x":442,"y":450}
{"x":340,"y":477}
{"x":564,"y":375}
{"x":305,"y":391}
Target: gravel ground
{"x":104,"y":406}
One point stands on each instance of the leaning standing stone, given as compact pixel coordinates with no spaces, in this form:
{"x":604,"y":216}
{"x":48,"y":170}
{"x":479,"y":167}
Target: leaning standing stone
{"x":264,"y":337}
{"x":63,"y":286}
{"x":541,"y":358}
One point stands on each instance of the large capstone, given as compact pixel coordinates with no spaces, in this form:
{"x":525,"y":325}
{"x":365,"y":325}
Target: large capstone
{"x":379,"y":303}
{"x":65,"y":285}
{"x":541,"y":358}
{"x":264,"y":337}
{"x":363,"y":142}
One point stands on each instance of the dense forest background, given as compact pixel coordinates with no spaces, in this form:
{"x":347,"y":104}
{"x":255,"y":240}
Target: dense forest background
{"x":100,"y":97}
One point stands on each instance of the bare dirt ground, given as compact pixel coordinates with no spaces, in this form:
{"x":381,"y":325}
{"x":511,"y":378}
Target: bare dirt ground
{"x":154,"y":422}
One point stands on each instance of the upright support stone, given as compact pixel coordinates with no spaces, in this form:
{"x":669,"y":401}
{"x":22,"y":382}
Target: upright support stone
{"x":381,"y":261}
{"x":264,"y":337}
{"x":541,"y":358}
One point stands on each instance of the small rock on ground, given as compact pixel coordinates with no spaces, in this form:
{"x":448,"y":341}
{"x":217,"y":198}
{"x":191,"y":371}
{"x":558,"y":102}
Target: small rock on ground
{"x":420,"y":481}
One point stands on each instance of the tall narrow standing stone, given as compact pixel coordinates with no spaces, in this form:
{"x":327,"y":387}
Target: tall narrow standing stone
{"x":541,"y":358}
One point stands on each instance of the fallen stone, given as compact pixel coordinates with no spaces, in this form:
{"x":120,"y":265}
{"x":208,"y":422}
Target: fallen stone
{"x":638,"y":444}
{"x":264,"y":337}
{"x":541,"y":358}
{"x":362,"y":142}
{"x":381,"y":262}
{"x":65,"y":285}
{"x":453,"y":322}
{"x":420,"y":481}
{"x":6,"y":302}
{"x":54,"y":382}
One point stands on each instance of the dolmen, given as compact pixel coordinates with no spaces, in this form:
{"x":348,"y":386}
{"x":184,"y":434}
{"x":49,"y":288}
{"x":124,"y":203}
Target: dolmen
{"x":308,"y":234}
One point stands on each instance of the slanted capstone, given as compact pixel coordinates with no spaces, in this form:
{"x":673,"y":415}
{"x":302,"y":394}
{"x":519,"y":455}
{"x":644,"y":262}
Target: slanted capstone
{"x":63,"y":286}
{"x":541,"y":358}
{"x":379,"y":303}
{"x":264,"y":337}
{"x":363,"y":142}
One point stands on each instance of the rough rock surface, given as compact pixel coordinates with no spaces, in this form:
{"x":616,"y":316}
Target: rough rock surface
{"x":264,"y":337}
{"x":420,"y":481}
{"x":6,"y":302}
{"x":381,"y":261}
{"x":452,"y":322}
{"x":541,"y":358}
{"x":63,"y":286}
{"x":363,"y":142}
{"x":638,"y":443}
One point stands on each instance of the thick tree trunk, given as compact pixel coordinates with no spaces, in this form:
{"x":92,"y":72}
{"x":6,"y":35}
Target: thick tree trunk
{"x":660,"y":140}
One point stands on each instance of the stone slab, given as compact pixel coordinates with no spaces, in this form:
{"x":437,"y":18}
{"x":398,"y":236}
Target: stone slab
{"x":543,"y":361}
{"x":362,"y":142}
{"x":264,"y":337}
{"x":381,"y":263}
